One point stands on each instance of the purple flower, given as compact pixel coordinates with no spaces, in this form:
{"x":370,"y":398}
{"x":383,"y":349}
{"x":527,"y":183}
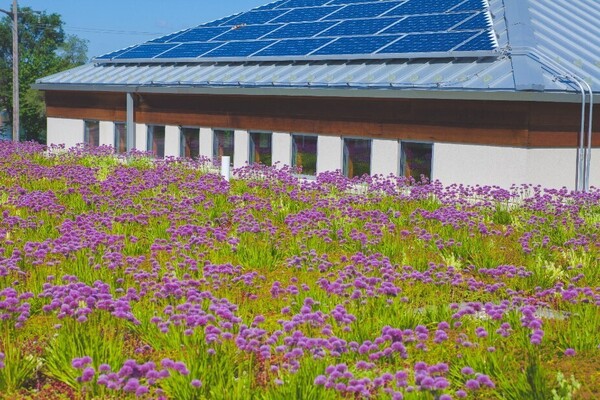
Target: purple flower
{"x":132,"y":385}
{"x":80,"y":363}
{"x":141,"y":390}
{"x":569,"y":352}
{"x":104,"y":368}
{"x":472,"y":384}
{"x":88,"y":374}
{"x":467,"y":371}
{"x":461,"y":394}
{"x":320,"y":380}
{"x":196,"y":383}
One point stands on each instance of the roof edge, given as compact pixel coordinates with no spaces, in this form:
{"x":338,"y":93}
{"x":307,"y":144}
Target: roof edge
{"x":392,"y":93}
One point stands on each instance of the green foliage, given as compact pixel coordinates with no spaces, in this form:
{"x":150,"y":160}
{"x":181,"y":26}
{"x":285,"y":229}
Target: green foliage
{"x":19,"y":367}
{"x":566,"y":389}
{"x":74,"y":339}
{"x":173,"y":243}
{"x":44,"y":49}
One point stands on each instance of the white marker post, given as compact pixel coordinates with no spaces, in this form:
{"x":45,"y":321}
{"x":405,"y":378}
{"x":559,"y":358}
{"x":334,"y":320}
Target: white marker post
{"x":225,"y":167}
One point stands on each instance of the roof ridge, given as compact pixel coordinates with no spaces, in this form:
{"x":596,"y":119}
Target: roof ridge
{"x":527,"y":73}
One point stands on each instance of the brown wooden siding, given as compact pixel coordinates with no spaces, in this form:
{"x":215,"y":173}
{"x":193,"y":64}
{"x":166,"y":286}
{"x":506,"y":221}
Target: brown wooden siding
{"x":522,"y":124}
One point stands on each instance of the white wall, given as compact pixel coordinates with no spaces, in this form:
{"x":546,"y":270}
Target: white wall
{"x":172,"y":140}
{"x":141,"y":137}
{"x":479,"y":165}
{"x":595,"y":168}
{"x":64,"y":131}
{"x":552,"y":168}
{"x":207,"y":138}
{"x":385,"y":157}
{"x":282,"y":148}
{"x":107,"y":133}
{"x":241,"y":148}
{"x":329,"y":153}
{"x":504,"y":166}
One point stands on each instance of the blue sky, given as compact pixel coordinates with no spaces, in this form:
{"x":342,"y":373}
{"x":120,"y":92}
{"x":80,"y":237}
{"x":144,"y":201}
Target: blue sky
{"x":114,"y":24}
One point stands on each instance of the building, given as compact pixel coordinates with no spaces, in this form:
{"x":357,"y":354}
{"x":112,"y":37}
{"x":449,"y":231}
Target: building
{"x":465,"y":91}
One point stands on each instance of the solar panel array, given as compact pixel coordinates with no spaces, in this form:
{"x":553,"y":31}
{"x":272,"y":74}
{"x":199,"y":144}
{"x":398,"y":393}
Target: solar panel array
{"x":306,"y":29}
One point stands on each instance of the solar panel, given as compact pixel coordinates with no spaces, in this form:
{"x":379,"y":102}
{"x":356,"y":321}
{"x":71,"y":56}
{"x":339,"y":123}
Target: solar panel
{"x":306,"y":14}
{"x":356,"y":45}
{"x":412,"y":7}
{"x":255,"y":17}
{"x":479,"y":21}
{"x":471,"y":5}
{"x":363,"y":10}
{"x":246,"y":32}
{"x":285,"y":29}
{"x":271,"y":6}
{"x":293,"y":47}
{"x":221,"y":21}
{"x":427,"y":43}
{"x":164,"y":39}
{"x":303,"y":3}
{"x":307,"y":29}
{"x":428,"y":23}
{"x":198,"y":35}
{"x":359,"y":27}
{"x":190,"y":50}
{"x":352,"y":1}
{"x":239,"y":49}
{"x":482,"y":41}
{"x":146,"y":51}
{"x":111,"y":55}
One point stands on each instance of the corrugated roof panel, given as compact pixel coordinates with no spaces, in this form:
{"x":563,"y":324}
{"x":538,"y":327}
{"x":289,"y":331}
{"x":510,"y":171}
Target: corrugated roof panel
{"x":566,"y":32}
{"x":569,"y":33}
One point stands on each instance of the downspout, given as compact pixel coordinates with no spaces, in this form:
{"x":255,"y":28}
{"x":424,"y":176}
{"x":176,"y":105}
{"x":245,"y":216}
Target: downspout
{"x":588,"y":152}
{"x":584,"y":154}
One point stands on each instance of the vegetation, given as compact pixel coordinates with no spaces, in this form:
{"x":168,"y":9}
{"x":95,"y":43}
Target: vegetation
{"x":124,"y":278}
{"x":44,"y":49}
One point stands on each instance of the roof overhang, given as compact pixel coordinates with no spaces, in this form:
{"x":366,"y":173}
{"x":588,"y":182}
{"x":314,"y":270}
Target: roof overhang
{"x":390,"y":92}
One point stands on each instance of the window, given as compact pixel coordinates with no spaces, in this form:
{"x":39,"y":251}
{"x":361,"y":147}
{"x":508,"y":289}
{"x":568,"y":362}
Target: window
{"x":416,"y":160}
{"x":223,"y":144}
{"x":156,"y":140}
{"x":120,"y":138}
{"x":261,"y":148}
{"x":190,"y":143}
{"x":304,"y":153}
{"x":357,"y":157}
{"x":91,"y":133}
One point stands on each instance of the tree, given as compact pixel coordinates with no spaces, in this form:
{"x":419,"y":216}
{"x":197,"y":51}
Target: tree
{"x":44,"y":49}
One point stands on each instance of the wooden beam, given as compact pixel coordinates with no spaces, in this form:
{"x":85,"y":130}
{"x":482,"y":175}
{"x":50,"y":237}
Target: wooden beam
{"x":519,"y":124}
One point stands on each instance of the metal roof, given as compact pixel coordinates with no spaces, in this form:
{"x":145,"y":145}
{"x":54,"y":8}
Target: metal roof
{"x":538,"y":40}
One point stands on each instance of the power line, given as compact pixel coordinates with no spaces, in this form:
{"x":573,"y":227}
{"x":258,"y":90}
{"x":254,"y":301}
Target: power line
{"x":111,"y":31}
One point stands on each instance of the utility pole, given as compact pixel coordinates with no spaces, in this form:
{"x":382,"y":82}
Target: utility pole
{"x":16,"y":103}
{"x":15,"y":60}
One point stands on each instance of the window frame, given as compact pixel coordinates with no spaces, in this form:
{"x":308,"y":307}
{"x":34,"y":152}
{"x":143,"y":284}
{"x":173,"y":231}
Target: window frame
{"x":370,"y":139}
{"x":402,"y":156}
{"x":182,"y":143}
{"x":215,"y":156}
{"x":252,"y":146}
{"x":150,"y":135}
{"x":292,"y":151}
{"x":115,"y":136}
{"x":86,"y":132}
